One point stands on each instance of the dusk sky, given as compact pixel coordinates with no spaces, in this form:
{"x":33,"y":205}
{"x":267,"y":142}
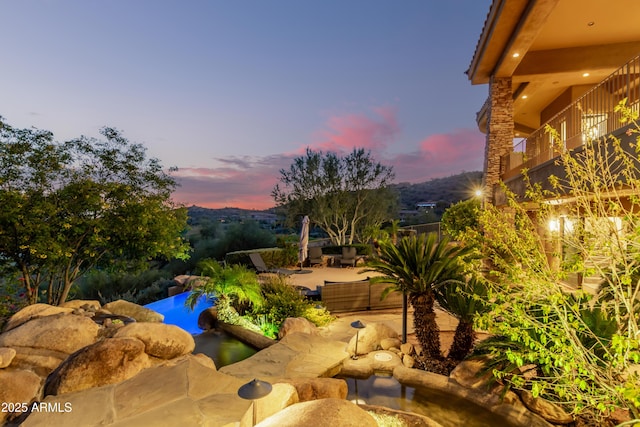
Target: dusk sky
{"x":231,"y":91}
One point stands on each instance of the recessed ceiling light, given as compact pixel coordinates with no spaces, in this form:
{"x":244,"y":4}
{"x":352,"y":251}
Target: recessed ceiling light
{"x":515,"y":55}
{"x":590,"y":24}
{"x":585,"y":74}
{"x":524,"y":96}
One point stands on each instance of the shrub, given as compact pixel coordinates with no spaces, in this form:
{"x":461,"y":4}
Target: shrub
{"x":281,"y":300}
{"x":12,"y":298}
{"x":107,"y":286}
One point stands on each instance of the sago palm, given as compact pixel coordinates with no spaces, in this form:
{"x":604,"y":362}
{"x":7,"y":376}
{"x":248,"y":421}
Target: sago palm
{"x":463,"y":301}
{"x":415,"y":267}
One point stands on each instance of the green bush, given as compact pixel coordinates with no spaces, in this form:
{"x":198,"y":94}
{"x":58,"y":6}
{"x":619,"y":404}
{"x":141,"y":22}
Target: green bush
{"x":106,"y":286}
{"x":281,"y":300}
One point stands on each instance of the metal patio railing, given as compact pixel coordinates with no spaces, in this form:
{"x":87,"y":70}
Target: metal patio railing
{"x":591,"y":116}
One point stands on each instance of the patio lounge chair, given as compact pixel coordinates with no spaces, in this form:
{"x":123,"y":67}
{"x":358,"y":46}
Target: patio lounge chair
{"x":315,"y":255}
{"x":349,"y":256}
{"x":261,"y":267}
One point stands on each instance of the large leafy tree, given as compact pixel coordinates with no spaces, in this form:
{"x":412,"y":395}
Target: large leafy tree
{"x":68,"y":207}
{"x":417,"y":266}
{"x":342,"y":195}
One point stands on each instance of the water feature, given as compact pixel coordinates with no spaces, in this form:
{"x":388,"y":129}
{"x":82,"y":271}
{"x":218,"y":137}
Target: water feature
{"x":175,"y":311}
{"x":222,"y":348}
{"x":446,"y":409}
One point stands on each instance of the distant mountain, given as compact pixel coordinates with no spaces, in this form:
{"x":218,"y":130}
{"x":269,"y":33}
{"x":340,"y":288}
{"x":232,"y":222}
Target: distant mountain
{"x":442,"y":191}
{"x":197,"y":214}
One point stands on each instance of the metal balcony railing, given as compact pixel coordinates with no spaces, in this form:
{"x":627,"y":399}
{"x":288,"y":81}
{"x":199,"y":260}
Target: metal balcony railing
{"x":589,"y":117}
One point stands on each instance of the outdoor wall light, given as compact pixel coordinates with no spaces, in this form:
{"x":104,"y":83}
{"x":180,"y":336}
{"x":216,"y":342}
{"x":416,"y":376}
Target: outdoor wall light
{"x":554,"y":225}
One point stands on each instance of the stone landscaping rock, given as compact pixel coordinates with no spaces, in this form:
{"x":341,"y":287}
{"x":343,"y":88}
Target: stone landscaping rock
{"x":547,"y":410}
{"x":39,"y":360}
{"x":318,"y":388}
{"x":60,"y":332}
{"x":383,"y":361}
{"x":407,"y":348}
{"x":88,"y":305}
{"x":296,"y":324}
{"x":359,"y":368}
{"x":135,"y":311}
{"x":17,"y":387}
{"x":33,"y":311}
{"x":6,"y":356}
{"x":370,"y":337}
{"x":469,"y":374}
{"x":389,"y":343}
{"x":282,"y":396}
{"x":329,"y":412}
{"x":105,"y":362}
{"x":408,"y":361}
{"x":160,"y":340}
{"x":208,"y":319}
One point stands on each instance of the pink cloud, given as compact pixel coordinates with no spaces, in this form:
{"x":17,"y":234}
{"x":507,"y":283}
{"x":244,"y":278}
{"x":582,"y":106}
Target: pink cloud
{"x":344,"y":133}
{"x":441,"y":155}
{"x":242,"y":182}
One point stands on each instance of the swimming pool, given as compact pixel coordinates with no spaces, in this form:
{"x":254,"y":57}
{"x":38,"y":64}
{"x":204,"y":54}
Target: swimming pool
{"x":176,"y":313}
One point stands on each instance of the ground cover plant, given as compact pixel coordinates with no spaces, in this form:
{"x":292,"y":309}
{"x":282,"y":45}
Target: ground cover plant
{"x":580,"y":349}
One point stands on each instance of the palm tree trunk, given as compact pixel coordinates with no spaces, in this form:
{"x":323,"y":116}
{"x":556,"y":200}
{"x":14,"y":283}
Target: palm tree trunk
{"x":463,"y":340}
{"x":425,"y":325}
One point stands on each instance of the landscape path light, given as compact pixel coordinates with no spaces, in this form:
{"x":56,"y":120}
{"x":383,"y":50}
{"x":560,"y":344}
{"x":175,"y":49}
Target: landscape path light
{"x":357,"y":325}
{"x":253,"y":391}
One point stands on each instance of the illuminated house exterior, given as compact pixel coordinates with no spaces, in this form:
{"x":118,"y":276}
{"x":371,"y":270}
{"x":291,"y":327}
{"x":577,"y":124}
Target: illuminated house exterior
{"x":566,"y":63}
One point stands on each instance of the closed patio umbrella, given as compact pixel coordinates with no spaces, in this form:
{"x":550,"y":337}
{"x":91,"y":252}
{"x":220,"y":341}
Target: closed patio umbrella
{"x":304,"y":240}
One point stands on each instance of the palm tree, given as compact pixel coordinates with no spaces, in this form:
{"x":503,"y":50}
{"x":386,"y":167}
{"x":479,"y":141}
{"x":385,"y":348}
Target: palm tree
{"x":416,"y":267}
{"x":463,"y":301}
{"x":230,"y":285}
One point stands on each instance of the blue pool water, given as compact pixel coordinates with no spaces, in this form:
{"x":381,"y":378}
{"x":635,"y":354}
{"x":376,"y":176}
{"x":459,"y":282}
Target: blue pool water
{"x":176,"y":313}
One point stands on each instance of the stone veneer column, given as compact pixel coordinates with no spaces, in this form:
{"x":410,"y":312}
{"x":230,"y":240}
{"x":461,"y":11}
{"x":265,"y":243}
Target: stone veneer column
{"x":499,"y":133}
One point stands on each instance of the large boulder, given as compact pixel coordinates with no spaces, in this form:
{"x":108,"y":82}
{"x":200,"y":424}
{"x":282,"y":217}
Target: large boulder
{"x":89,"y":305}
{"x":33,"y":311}
{"x":135,"y":311}
{"x":18,"y":388}
{"x":106,"y":362}
{"x":61,"y":332}
{"x":318,"y":388}
{"x":296,"y":324}
{"x":208,"y":319}
{"x":329,"y":412}
{"x":281,"y":396}
{"x":370,"y":337}
{"x":160,"y":340}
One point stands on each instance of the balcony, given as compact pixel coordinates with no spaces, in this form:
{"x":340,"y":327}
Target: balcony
{"x":589,"y":117}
